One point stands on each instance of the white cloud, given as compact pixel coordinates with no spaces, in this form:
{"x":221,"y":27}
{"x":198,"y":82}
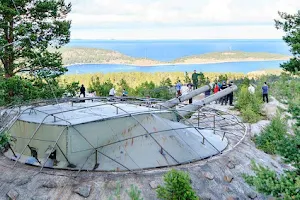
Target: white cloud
{"x":117,"y":18}
{"x":202,"y":32}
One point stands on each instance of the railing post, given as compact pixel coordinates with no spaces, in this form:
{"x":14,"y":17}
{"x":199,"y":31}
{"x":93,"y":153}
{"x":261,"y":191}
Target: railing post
{"x":214,"y":124}
{"x":96,"y":160}
{"x":198,"y":119}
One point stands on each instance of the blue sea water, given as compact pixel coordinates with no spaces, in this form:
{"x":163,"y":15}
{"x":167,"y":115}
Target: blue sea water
{"x":168,"y":50}
{"x":243,"y":67}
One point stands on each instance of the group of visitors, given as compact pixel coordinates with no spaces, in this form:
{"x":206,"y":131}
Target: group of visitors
{"x":265,"y":91}
{"x":216,"y":88}
{"x":219,"y":87}
{"x":111,"y":93}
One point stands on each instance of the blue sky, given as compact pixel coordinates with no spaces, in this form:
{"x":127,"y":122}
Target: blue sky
{"x":178,"y":19}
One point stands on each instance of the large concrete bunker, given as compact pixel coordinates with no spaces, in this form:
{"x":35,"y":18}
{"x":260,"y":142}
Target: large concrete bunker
{"x":109,"y":137}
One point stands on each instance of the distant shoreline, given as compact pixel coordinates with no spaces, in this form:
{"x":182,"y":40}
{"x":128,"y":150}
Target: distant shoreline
{"x":179,"y":63}
{"x":75,"y":56}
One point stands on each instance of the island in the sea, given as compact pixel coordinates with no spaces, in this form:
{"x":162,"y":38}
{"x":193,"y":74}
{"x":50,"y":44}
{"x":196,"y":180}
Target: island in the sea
{"x":73,"y":55}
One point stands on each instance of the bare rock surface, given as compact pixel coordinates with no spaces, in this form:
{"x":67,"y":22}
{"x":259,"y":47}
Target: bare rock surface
{"x":208,"y":175}
{"x":84,"y":190}
{"x":12,"y":194}
{"x":255,"y":129}
{"x":154,"y":184}
{"x":270,"y":109}
{"x":105,"y":183}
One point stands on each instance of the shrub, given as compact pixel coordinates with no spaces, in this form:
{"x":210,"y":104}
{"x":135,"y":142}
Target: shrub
{"x":286,"y":186}
{"x":5,"y":139}
{"x":249,"y":115}
{"x":16,"y":90}
{"x":117,"y":192}
{"x":101,"y":89}
{"x":289,"y":149}
{"x":72,"y":88}
{"x":270,"y":137}
{"x":249,"y":105}
{"x":134,"y":193}
{"x":177,"y":186}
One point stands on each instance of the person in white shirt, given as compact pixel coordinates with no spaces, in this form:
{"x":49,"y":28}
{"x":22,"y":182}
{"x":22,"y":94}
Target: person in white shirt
{"x":112,"y":92}
{"x":251,"y":89}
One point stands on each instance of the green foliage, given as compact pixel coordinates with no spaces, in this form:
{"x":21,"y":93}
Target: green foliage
{"x":177,"y":187}
{"x":223,"y":77}
{"x":271,"y":135}
{"x":249,"y":105}
{"x":249,"y":115}
{"x":27,"y":33}
{"x":150,"y":89}
{"x":274,"y":139}
{"x":285,"y":186}
{"x":166,"y":82}
{"x":289,"y":149}
{"x":101,"y":89}
{"x":72,"y":88}
{"x":134,"y":193}
{"x":201,"y":79}
{"x":187,"y":78}
{"x":4,"y":140}
{"x":134,"y":79}
{"x":290,"y":24}
{"x":117,"y":192}
{"x":16,"y":90}
{"x":294,"y":109}
{"x":246,"y":82}
{"x":124,"y":85}
{"x":145,"y":89}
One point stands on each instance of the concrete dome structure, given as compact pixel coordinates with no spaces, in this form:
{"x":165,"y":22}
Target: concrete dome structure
{"x":113,"y":136}
{"x":110,"y":137}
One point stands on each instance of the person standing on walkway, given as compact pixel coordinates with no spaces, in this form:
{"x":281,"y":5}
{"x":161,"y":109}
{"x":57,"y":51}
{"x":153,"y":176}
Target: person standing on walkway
{"x":178,"y":88}
{"x":265,"y":91}
{"x":230,"y":95}
{"x":190,"y":85}
{"x":112,"y":92}
{"x":195,"y":80}
{"x":224,"y":86}
{"x":82,"y":90}
{"x":216,"y":89}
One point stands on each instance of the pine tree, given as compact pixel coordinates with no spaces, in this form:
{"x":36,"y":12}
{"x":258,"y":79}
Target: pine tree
{"x":28,"y":29}
{"x":290,"y":24}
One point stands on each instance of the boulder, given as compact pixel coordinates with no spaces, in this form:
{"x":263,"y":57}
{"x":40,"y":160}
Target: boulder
{"x":208,"y":175}
{"x":84,"y":190}
{"x":12,"y":194}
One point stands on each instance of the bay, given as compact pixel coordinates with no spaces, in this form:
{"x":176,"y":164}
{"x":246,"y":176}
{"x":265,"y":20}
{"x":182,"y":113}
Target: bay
{"x":243,"y":67}
{"x":168,"y":50}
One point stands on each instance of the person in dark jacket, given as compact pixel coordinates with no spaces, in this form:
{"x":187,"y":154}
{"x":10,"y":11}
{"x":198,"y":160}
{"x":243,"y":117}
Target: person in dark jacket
{"x":82,"y":90}
{"x":265,"y":91}
{"x":224,"y":99}
{"x":195,"y":80}
{"x":207,"y":93}
{"x":230,"y":95}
